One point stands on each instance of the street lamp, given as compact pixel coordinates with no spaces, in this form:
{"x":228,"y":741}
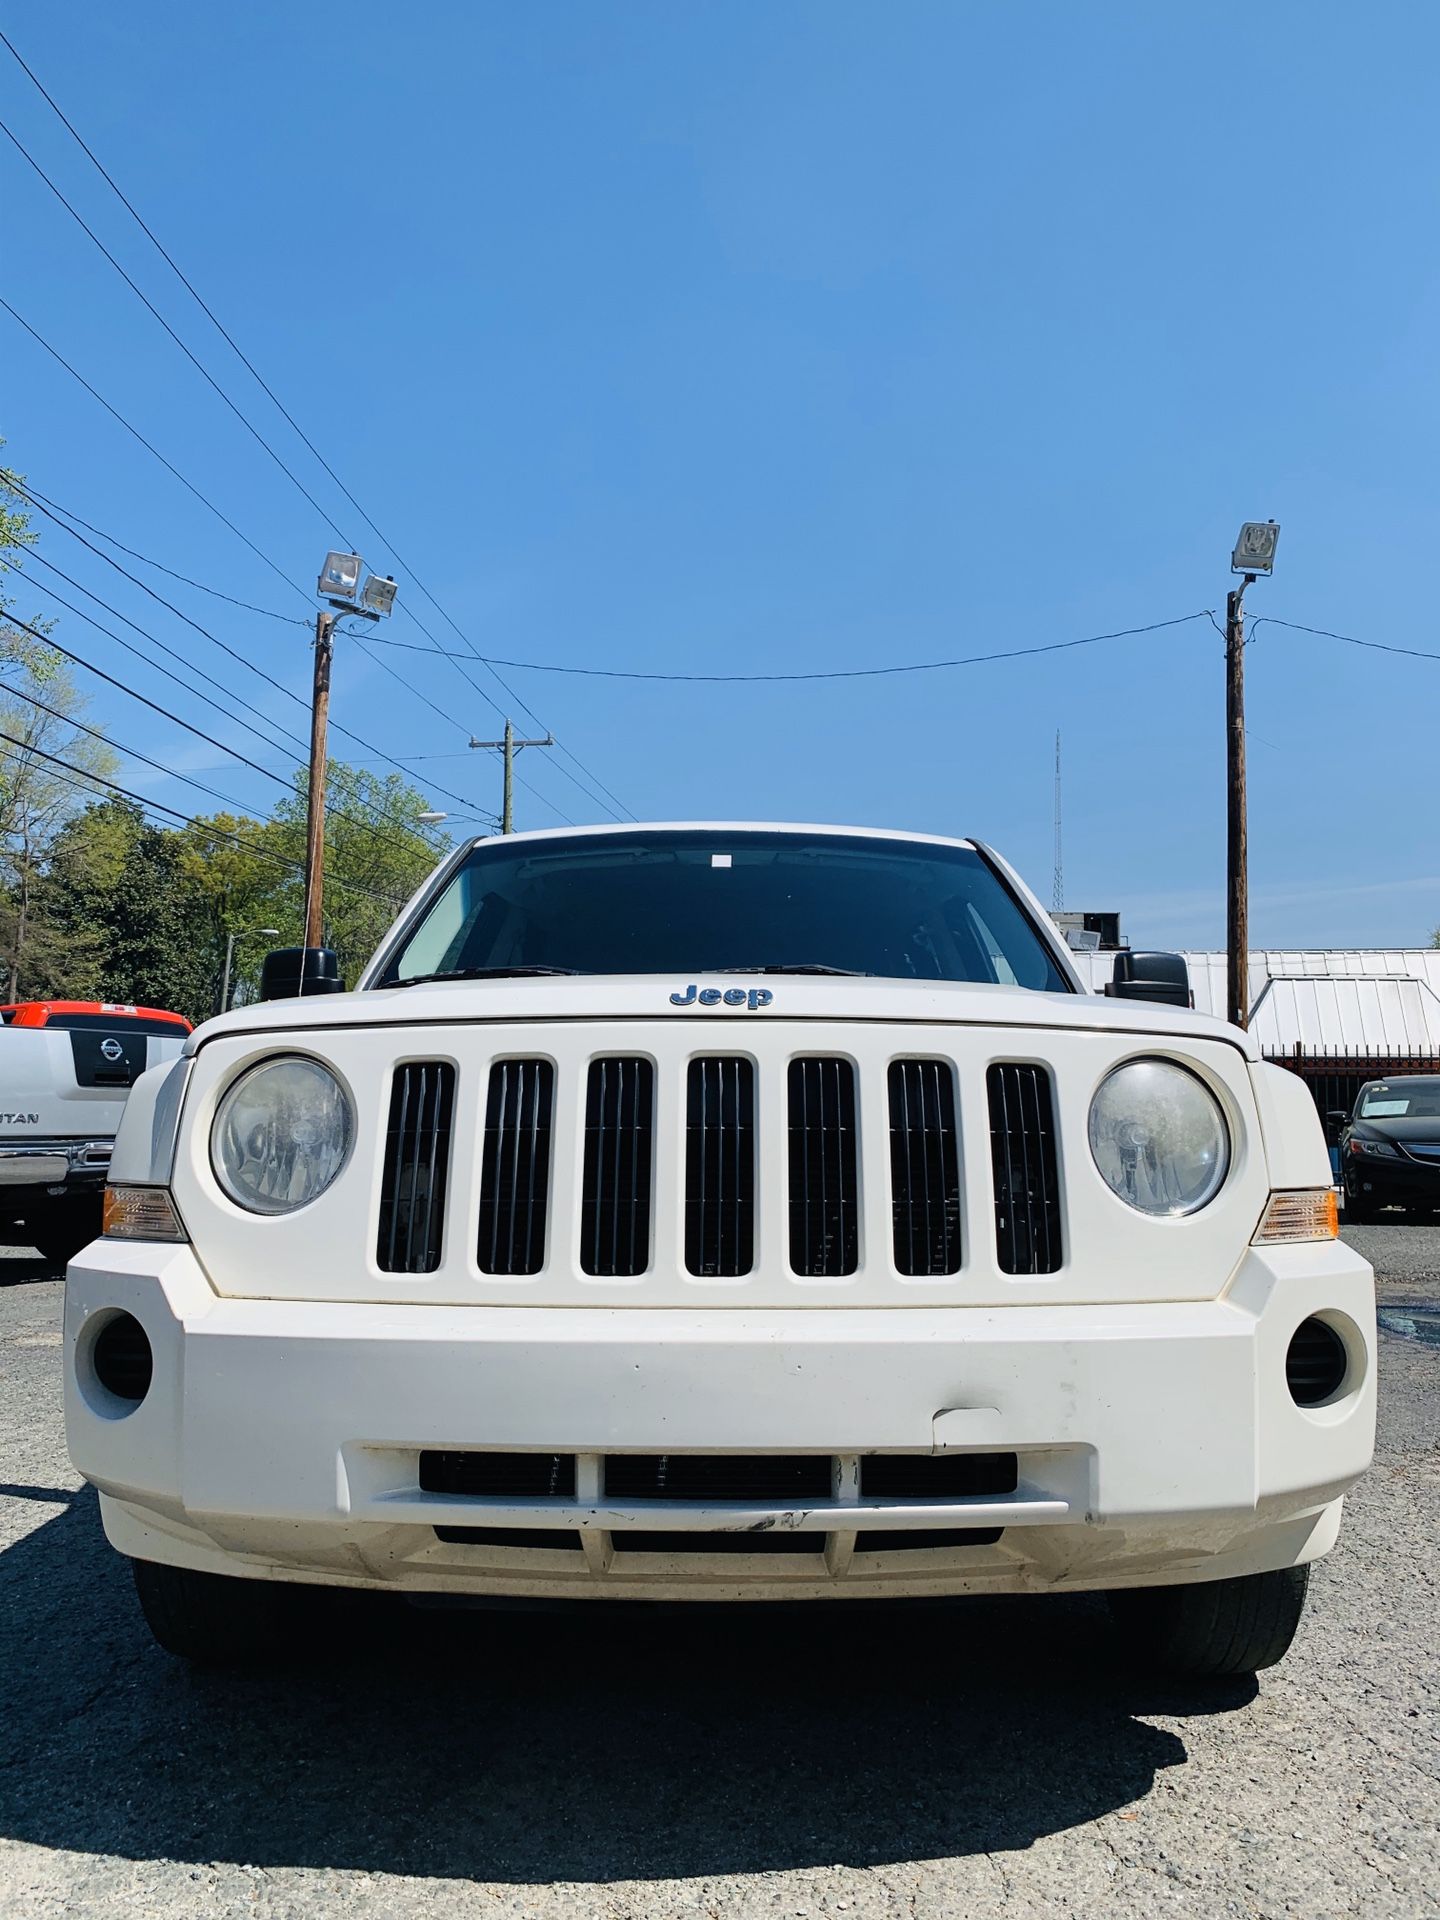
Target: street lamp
{"x":230,"y":939}
{"x":339,"y":585}
{"x":1254,"y":554}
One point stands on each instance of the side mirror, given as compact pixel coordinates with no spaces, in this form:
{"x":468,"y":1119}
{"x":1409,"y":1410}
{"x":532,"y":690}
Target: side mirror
{"x":291,"y":972}
{"x":1162,"y":978}
{"x":1337,"y":1117}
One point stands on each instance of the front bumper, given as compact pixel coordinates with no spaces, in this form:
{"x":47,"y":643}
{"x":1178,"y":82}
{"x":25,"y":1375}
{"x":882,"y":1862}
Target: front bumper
{"x":46,"y":1176}
{"x":1155,"y":1443}
{"x":1384,"y":1182}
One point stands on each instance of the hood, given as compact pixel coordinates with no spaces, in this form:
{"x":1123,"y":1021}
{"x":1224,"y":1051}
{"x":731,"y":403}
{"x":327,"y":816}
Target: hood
{"x":663,"y":997}
{"x":1401,"y":1128}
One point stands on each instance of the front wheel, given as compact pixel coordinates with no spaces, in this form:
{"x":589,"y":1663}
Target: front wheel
{"x":67,"y":1230}
{"x":1217,"y":1628}
{"x":1360,"y":1210}
{"x":214,"y":1620}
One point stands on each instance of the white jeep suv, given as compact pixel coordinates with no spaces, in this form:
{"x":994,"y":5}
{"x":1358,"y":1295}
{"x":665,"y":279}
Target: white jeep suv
{"x":711,"y":1212}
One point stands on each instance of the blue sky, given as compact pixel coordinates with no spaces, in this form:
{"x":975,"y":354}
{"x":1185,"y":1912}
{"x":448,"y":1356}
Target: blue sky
{"x":779,"y":338}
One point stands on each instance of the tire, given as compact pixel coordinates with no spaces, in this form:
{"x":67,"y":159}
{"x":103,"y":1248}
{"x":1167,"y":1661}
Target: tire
{"x":59,"y":1241}
{"x":1360,"y":1211}
{"x":213,"y":1620}
{"x":1219,"y":1628}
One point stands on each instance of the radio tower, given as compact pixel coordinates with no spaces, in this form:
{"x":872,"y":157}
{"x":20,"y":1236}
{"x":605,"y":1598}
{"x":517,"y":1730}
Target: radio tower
{"x":1058,"y":900}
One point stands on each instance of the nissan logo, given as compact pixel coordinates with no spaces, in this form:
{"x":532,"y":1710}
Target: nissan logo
{"x":111,"y":1049}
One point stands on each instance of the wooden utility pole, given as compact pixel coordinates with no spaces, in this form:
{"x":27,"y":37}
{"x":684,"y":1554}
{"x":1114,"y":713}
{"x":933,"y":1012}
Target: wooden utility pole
{"x":510,"y":746}
{"x":1237,"y":885}
{"x":315,"y":811}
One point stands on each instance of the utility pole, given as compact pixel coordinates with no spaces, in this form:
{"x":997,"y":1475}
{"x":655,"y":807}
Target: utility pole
{"x":1254,"y":554}
{"x":510,"y":746}
{"x":339,"y":586}
{"x":230,"y":939}
{"x":315,"y":807}
{"x":1057,"y":899}
{"x":1237,"y":875}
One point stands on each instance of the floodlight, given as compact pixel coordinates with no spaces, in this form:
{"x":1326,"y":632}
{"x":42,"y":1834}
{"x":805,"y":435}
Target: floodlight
{"x":340,"y":576}
{"x":379,"y":595}
{"x":431,"y":819}
{"x":1255,"y":549}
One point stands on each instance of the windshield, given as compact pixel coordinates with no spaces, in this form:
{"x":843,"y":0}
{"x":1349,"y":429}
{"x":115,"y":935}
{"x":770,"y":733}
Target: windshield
{"x":706,"y":902}
{"x":1412,"y":1099}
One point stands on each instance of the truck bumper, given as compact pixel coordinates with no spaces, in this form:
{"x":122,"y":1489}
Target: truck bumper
{"x":1152,"y":1444}
{"x":43,"y":1181}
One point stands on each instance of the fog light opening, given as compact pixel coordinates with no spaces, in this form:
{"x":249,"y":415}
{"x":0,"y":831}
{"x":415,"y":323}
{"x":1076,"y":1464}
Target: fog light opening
{"x":1316,"y":1364}
{"x":121,"y":1360}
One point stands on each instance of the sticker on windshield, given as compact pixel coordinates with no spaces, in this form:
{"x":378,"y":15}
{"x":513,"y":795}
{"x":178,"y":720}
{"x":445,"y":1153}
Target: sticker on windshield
{"x":721,"y":859}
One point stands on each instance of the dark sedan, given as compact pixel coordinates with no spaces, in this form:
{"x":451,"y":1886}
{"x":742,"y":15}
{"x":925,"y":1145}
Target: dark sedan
{"x":1390,"y":1146}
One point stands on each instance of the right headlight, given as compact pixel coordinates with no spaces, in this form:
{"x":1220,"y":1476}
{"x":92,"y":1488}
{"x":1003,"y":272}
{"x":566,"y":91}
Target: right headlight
{"x":1159,"y":1138}
{"x":281,"y":1135}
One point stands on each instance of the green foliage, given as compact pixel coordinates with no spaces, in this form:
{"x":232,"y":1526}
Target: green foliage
{"x":376,"y":855}
{"x":98,"y":903}
{"x":118,"y":921}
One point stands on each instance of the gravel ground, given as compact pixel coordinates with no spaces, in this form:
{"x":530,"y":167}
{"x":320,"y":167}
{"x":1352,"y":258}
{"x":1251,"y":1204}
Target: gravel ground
{"x":990,"y":1759}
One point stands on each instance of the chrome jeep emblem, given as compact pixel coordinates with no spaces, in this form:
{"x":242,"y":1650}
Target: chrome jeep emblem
{"x":751,"y":997}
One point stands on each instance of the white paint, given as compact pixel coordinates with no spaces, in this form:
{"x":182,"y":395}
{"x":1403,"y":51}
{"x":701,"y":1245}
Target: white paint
{"x":1141,"y":1386}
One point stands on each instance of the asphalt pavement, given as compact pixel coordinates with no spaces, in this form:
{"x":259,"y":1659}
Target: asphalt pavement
{"x":992,"y":1758}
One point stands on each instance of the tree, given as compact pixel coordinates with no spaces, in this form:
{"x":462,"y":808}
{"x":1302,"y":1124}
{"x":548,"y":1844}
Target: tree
{"x":47,"y":759}
{"x":376,"y":855}
{"x":122,"y":918}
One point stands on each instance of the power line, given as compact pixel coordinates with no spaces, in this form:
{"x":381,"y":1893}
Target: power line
{"x":295,"y":739}
{"x":150,"y":307}
{"x":88,"y":781}
{"x":279,"y":572}
{"x":288,"y":785}
{"x":134,"y":753}
{"x":1325,"y":633}
{"x":266,"y":388}
{"x":149,"y":447}
{"x":840,"y":673}
{"x":60,"y":517}
{"x":63,"y":514}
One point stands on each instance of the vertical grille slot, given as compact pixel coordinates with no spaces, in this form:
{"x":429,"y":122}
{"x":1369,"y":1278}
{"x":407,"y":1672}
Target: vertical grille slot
{"x":619,"y":1142}
{"x":720,"y":1168}
{"x":1026,"y":1168}
{"x":924,"y":1167}
{"x":824,"y":1212}
{"x":515,"y":1167}
{"x":417,"y":1167}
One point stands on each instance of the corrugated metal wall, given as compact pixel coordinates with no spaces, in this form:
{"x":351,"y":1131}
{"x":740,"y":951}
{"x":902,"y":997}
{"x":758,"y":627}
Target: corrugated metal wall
{"x":1331,"y":1000}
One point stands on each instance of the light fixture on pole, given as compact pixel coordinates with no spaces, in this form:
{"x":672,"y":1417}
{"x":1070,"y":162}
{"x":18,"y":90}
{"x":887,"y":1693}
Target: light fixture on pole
{"x":339,"y":585}
{"x":1254,"y":554}
{"x":244,"y":934}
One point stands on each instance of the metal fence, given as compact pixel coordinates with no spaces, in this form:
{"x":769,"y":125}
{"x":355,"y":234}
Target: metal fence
{"x":1334,"y":1079}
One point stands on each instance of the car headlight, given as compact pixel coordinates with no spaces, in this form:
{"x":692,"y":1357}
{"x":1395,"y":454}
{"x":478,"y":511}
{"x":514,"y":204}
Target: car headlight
{"x":281,"y":1135}
{"x":1159,"y":1137}
{"x":1378,"y":1149}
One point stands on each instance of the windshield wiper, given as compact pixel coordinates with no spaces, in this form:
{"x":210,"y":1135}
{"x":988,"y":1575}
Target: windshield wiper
{"x":482,"y":973}
{"x":796,"y":966}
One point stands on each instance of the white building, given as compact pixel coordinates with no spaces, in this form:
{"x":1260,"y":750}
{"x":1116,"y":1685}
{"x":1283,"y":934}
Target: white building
{"x":1326,"y":1000}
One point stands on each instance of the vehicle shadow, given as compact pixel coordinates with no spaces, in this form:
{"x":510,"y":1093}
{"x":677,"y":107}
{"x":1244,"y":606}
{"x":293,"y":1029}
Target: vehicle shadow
{"x":527,"y":1748}
{"x":22,"y":1265}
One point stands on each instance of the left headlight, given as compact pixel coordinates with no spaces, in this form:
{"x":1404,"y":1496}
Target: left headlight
{"x":1159,"y":1137}
{"x":281,"y":1135}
